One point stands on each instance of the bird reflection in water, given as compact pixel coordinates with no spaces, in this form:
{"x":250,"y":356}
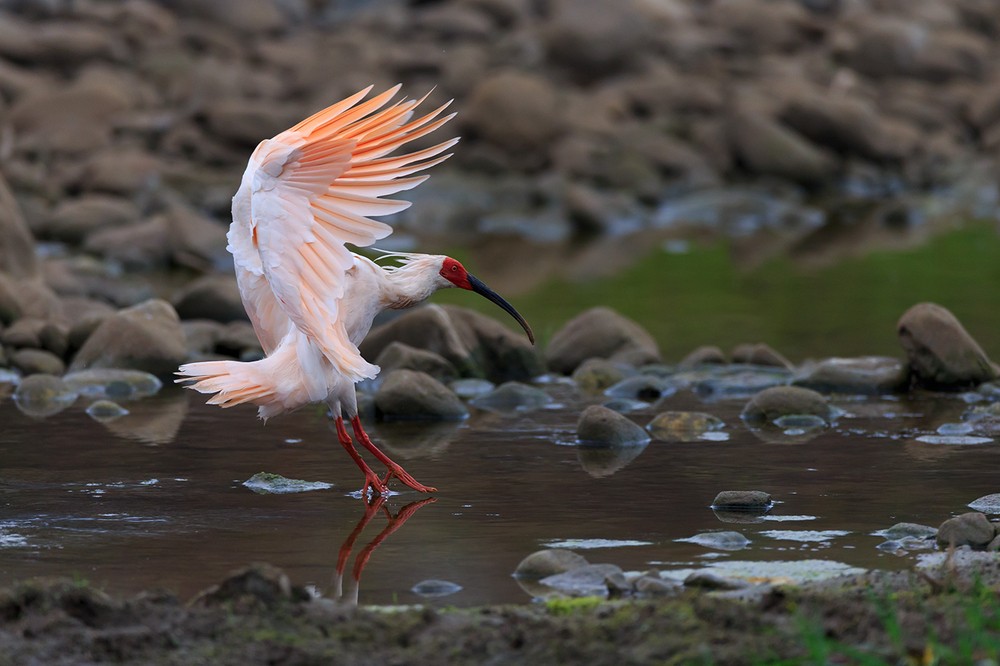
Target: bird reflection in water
{"x":372,"y":508}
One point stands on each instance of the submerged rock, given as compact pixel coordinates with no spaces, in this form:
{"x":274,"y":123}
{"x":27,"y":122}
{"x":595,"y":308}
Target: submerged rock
{"x":114,"y":383}
{"x":435,"y":588}
{"x":512,"y":397}
{"x":600,"y":333}
{"x":603,"y":427}
{"x":683,"y":426}
{"x":411,"y":395}
{"x":43,"y":395}
{"x":904,"y":530}
{"x":941,"y":352}
{"x":778,"y":401}
{"x":719,"y":540}
{"x":597,"y":374}
{"x":867,"y":375}
{"x":969,"y":529}
{"x":549,"y":562}
{"x":736,"y":381}
{"x":266,"y":483}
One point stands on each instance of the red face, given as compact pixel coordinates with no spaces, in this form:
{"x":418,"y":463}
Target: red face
{"x":454,"y":272}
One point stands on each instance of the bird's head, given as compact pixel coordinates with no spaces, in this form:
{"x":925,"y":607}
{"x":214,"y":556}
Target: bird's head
{"x":455,"y":275}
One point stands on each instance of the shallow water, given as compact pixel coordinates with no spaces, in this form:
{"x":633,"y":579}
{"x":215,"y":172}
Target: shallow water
{"x":155,"y":499}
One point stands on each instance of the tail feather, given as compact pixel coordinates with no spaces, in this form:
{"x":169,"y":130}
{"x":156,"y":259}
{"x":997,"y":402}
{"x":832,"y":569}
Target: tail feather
{"x":232,"y":382}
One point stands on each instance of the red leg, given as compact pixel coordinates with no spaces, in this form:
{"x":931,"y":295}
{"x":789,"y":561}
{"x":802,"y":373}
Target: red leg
{"x":371,"y":478}
{"x":394,"y":469}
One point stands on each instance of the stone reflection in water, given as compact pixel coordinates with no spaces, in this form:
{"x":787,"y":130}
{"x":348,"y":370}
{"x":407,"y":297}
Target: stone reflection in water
{"x":408,"y":439}
{"x":776,"y":435}
{"x":372,"y":508}
{"x":603,"y":461}
{"x":154,"y":421}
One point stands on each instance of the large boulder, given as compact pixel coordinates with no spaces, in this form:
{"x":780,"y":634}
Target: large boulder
{"x":145,"y":337}
{"x":600,"y":333}
{"x":866,"y":375}
{"x":941,"y":352}
{"x":969,"y":529}
{"x":478,"y":346}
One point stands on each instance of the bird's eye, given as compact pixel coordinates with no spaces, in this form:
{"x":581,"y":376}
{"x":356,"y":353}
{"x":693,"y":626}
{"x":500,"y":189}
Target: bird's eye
{"x":454,"y":269}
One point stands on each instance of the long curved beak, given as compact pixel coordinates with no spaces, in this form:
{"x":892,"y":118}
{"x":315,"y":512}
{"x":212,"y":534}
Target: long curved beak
{"x":480,"y":288}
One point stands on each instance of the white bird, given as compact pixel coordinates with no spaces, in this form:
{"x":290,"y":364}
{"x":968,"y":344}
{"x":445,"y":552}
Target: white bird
{"x":305,"y":194}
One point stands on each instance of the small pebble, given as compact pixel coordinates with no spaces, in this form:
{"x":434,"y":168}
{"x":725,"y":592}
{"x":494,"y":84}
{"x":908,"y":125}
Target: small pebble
{"x":105,"y":410}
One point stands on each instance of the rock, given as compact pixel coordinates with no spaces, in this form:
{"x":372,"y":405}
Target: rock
{"x":592,"y":40}
{"x":866,"y":375}
{"x":144,"y":337}
{"x":596,"y":374}
{"x":625,"y":405}
{"x":585,"y":581}
{"x":641,"y":387}
{"x":466,"y":389}
{"x":74,"y":219}
{"x":756,"y":501}
{"x":196,"y":241}
{"x":137,"y":246}
{"x":113,"y":383}
{"x":27,"y":297}
{"x":969,"y":529}
{"x":682,"y":426}
{"x":200,"y":337}
{"x":598,"y":333}
{"x":710,"y":580}
{"x":759,"y":354}
{"x":435,"y":588}
{"x":941,"y":352}
{"x":237,"y":338}
{"x":719,"y":540}
{"x":402,"y":356}
{"x":66,"y":119}
{"x":705,"y":355}
{"x":17,"y":247}
{"x":987,"y":504}
{"x":25,"y":332}
{"x":266,"y":483}
{"x":549,"y":562}
{"x":43,"y":395}
{"x":245,"y":124}
{"x":904,"y":530}
{"x":767,"y":148}
{"x":777,"y":401}
{"x":411,"y":395}
{"x":516,"y":113}
{"x":37,"y":361}
{"x":258,"y":583}
{"x":737,"y":381}
{"x":105,"y":410}
{"x":215,"y":297}
{"x":512,"y":397}
{"x":124,"y":172}
{"x":476,"y":345}
{"x":603,"y":427}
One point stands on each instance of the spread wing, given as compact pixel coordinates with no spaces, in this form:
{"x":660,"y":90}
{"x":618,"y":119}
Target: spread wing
{"x":314,"y":188}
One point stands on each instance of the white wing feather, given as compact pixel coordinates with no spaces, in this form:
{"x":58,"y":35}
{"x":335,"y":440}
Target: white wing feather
{"x":312,"y":189}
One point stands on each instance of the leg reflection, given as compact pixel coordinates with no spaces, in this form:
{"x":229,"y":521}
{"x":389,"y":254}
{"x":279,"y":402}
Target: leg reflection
{"x":372,"y":508}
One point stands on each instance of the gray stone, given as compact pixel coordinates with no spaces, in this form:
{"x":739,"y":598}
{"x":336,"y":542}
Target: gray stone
{"x":597,"y":374}
{"x":398,"y":355}
{"x":214,"y":297}
{"x":682,"y":426}
{"x":114,"y":383}
{"x":586,"y":581}
{"x":654,"y":586}
{"x":266,"y":483}
{"x":719,"y":540}
{"x":17,"y":246}
{"x":43,"y":395}
{"x":73,"y":220}
{"x":756,"y":501}
{"x":987,"y":504}
{"x":772,"y":403}
{"x":941,"y":352}
{"x":704,"y":355}
{"x":144,"y":337}
{"x":969,"y":529}
{"x":435,"y":588}
{"x":866,"y":375}
{"x":549,"y":562}
{"x":512,"y":397}
{"x":466,"y":389}
{"x":759,"y":354}
{"x":712,"y":581}
{"x":904,"y":530}
{"x":735,"y":381}
{"x":599,"y":332}
{"x":37,"y":361}
{"x":410,"y":395}
{"x":768,"y":148}
{"x":105,"y":410}
{"x":601,"y":426}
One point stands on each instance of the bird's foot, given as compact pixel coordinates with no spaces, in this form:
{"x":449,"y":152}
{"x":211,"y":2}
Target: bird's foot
{"x":395,"y":471}
{"x":377,"y":486}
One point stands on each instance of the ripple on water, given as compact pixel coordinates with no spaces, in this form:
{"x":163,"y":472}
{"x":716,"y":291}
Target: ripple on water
{"x":804,"y":535}
{"x":954,"y":440}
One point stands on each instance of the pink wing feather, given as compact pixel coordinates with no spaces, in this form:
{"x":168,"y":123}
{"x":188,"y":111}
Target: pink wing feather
{"x":312,"y":189}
